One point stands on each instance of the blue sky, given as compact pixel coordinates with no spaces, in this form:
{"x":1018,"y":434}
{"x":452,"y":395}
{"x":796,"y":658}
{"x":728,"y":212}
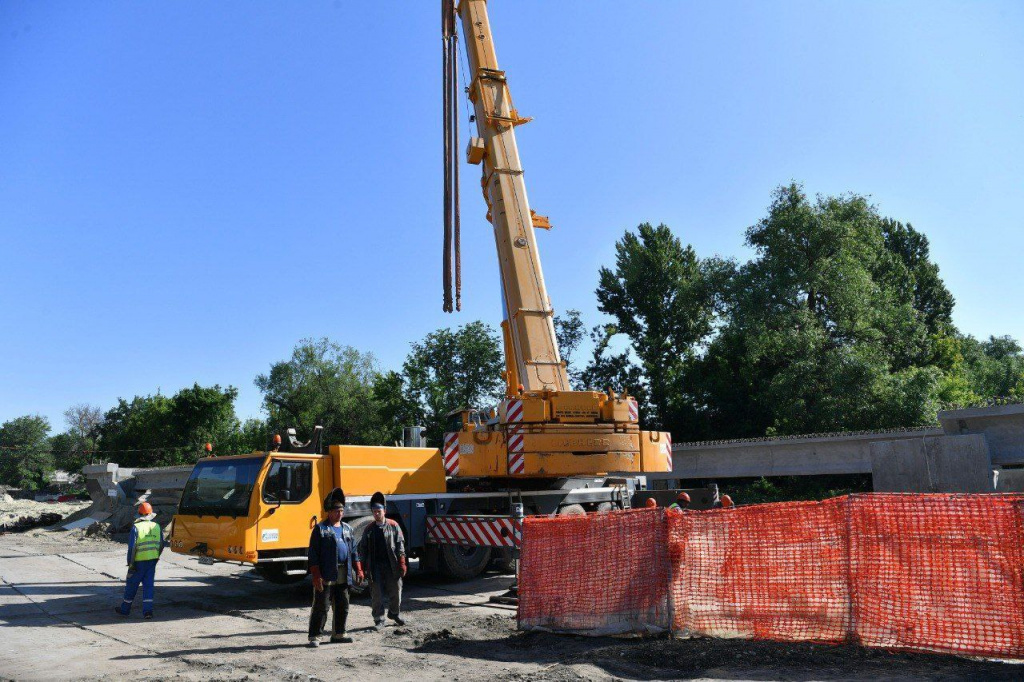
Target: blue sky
{"x":189,"y":188}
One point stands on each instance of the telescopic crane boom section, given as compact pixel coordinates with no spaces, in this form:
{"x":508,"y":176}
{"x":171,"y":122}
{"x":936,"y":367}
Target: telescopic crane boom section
{"x":529,"y":315}
{"x":543,"y":428}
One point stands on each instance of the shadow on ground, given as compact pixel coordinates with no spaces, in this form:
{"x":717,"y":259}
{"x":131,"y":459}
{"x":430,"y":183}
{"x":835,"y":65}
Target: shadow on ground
{"x":662,"y":658}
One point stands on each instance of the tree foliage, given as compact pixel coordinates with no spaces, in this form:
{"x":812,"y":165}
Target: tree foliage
{"x":324,"y":384}
{"x":664,"y":299}
{"x":158,"y":430}
{"x":25,"y":458}
{"x":449,"y":370}
{"x":839,"y":321}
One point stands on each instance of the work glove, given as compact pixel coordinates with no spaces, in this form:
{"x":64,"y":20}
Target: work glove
{"x":401,"y":564}
{"x":359,"y":572}
{"x":318,"y":580}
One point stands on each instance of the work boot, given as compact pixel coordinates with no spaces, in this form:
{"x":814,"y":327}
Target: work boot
{"x":340,"y":638}
{"x":148,"y":615}
{"x":313,"y":643}
{"x":379,"y":625}
{"x":118,"y":611}
{"x":398,"y":619}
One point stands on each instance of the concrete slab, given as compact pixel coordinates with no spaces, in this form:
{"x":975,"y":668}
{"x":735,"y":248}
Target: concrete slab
{"x":86,"y":521}
{"x":41,"y":649}
{"x":947,"y":464}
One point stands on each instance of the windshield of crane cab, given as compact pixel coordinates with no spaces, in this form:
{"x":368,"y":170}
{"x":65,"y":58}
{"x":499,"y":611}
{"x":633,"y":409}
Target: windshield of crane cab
{"x":220,"y":487}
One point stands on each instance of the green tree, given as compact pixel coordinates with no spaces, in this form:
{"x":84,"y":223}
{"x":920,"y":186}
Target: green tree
{"x":449,"y":369}
{"x":324,"y":384}
{"x":394,"y":405}
{"x":992,"y":368}
{"x":25,"y":458}
{"x":156,"y":430}
{"x":71,"y":449}
{"x":569,"y":331}
{"x":664,"y":299}
{"x":821,"y":326}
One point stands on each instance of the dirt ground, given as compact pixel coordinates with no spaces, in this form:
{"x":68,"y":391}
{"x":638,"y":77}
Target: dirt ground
{"x":219,"y":622}
{"x":13,"y":511}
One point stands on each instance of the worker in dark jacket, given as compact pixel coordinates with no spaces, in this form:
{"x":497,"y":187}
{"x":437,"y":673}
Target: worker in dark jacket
{"x":145,"y":544}
{"x":382,"y":553}
{"x":333,"y":562}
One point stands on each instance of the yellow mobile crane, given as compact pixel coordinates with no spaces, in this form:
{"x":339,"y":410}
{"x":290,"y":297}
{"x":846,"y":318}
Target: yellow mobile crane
{"x":546,"y":449}
{"x":543,"y":428}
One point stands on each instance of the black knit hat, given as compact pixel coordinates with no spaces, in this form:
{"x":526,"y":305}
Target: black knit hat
{"x":378,"y":498}
{"x":334,"y":499}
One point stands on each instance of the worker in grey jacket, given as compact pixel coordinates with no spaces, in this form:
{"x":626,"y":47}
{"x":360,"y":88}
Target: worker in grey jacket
{"x":381,"y":550}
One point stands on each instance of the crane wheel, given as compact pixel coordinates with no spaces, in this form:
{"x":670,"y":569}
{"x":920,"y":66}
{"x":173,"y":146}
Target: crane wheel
{"x":503,"y":560}
{"x":462,"y":563}
{"x":572,"y":510}
{"x":604,"y":507}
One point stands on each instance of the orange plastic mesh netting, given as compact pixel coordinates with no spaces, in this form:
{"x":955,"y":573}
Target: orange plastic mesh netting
{"x":600,"y":573}
{"x":938,"y":572}
{"x":768,"y":571}
{"x":897,"y":571}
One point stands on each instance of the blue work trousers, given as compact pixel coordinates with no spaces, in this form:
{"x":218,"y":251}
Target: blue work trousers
{"x":145,"y":572}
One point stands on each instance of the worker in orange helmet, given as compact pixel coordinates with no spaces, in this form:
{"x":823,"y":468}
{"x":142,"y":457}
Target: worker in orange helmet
{"x":651,"y":503}
{"x":681,"y":503}
{"x":145,"y":544}
{"x":727,"y":502}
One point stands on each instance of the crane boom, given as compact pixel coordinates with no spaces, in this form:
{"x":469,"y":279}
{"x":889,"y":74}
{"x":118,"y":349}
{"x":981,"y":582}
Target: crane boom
{"x":543,"y":429}
{"x":528,"y":312}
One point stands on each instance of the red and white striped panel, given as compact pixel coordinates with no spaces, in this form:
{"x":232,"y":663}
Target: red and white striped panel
{"x":666,"y":449}
{"x":450,"y":454}
{"x":516,"y":456}
{"x":634,"y":411}
{"x":514,"y":411}
{"x":474,"y":531}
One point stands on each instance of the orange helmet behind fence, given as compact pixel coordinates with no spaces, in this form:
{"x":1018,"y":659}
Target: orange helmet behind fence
{"x":145,"y":509}
{"x":651,"y":502}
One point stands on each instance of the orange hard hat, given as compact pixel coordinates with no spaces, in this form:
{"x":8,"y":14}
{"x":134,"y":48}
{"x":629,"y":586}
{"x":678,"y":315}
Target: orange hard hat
{"x":727,"y":502}
{"x":145,"y":509}
{"x":683,"y":496}
{"x":651,"y":502}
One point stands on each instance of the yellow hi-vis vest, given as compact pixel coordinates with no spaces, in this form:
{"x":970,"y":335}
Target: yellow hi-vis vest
{"x":147,"y":540}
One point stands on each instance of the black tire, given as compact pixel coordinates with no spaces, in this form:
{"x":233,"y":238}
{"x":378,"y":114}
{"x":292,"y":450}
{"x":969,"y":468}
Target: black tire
{"x":275,"y":573}
{"x":503,"y":560}
{"x":358,"y":527}
{"x":572,"y":510}
{"x":604,"y":507}
{"x":462,"y":563}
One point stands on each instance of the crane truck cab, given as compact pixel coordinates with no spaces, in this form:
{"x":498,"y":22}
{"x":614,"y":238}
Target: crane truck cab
{"x":260,"y":508}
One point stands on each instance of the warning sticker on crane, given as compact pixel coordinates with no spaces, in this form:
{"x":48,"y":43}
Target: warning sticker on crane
{"x":514,"y":411}
{"x":666,"y":449}
{"x":516,"y":457}
{"x":634,"y":411}
{"x":474,"y":531}
{"x":451,"y":454}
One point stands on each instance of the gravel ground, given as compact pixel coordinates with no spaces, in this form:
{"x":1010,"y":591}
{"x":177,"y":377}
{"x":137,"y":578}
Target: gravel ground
{"x":221,"y":623}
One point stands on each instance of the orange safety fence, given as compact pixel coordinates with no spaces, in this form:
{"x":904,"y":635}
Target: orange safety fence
{"x":767,"y":571}
{"x":939,"y":572}
{"x":898,"y":571}
{"x":600,"y":573}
